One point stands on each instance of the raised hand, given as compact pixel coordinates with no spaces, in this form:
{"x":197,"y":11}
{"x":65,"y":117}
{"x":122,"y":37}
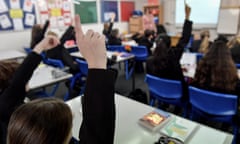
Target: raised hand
{"x":91,"y":45}
{"x":47,"y":43}
{"x":187,"y":11}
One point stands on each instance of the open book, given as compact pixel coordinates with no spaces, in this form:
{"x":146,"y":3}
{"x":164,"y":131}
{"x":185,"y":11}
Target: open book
{"x":154,"y":120}
{"x":179,"y":128}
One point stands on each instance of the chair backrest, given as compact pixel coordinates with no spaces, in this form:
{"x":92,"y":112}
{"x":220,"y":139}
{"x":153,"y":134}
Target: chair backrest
{"x":171,"y":89}
{"x":212,"y":102}
{"x":118,"y":48}
{"x":199,"y":56}
{"x":83,"y":66}
{"x":238,"y":65}
{"x":27,"y":50}
{"x":54,"y":62}
{"x":140,"y":52}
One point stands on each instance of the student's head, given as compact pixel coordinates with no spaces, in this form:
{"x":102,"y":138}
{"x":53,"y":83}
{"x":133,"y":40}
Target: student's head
{"x":36,"y":30}
{"x":52,"y":33}
{"x":160,"y":54}
{"x":235,"y":41}
{"x":7,"y":68}
{"x":163,"y":39}
{"x":205,"y":33}
{"x":149,"y":33}
{"x":114,"y":33}
{"x":105,"y":26}
{"x":222,"y":38}
{"x":42,"y":121}
{"x":217,"y":68}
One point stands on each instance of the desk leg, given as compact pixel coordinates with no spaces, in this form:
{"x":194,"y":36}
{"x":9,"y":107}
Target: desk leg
{"x":133,"y":76}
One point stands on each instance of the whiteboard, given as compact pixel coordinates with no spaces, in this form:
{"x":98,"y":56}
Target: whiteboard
{"x":228,"y":21}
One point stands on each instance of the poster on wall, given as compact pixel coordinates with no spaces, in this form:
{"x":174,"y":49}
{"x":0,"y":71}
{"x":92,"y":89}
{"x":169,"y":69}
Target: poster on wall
{"x":127,"y":8}
{"x":87,"y":9}
{"x":58,"y":12}
{"x":17,"y":14}
{"x":107,"y":8}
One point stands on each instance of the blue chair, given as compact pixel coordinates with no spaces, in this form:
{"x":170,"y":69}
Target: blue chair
{"x":214,"y":106}
{"x":238,"y":65}
{"x":83,"y":66}
{"x":118,"y":48}
{"x":199,"y":56}
{"x":140,"y":52}
{"x":165,"y":90}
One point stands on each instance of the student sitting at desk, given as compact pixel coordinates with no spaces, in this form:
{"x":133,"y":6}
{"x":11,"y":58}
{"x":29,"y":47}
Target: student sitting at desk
{"x":14,"y":89}
{"x":216,"y":71}
{"x":59,"y":52}
{"x":107,"y":27}
{"x":164,"y":62}
{"x":147,"y":40}
{"x":98,"y":106}
{"x":114,"y":38}
{"x":203,"y":44}
{"x":234,"y":46}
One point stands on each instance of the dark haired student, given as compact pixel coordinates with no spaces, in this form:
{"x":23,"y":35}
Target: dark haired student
{"x":13,"y":90}
{"x":164,"y":62}
{"x":98,"y":123}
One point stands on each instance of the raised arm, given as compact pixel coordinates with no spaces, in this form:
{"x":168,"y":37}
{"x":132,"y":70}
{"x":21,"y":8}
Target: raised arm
{"x":98,"y":106}
{"x":14,"y":94}
{"x":186,"y":33}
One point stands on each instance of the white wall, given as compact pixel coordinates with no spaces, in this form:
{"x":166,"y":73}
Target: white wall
{"x":17,"y":40}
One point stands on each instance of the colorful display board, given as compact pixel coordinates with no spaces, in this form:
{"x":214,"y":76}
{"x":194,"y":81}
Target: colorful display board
{"x":107,"y":8}
{"x":16,"y":14}
{"x":57,"y":11}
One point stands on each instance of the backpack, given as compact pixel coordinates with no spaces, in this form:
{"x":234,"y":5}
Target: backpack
{"x":139,"y":96}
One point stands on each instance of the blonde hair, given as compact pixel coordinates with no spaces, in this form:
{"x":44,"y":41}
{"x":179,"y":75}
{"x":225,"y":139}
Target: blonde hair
{"x":234,"y":41}
{"x":204,"y":46}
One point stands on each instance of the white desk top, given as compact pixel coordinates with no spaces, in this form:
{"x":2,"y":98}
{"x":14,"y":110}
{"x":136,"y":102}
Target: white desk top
{"x":11,"y":54}
{"x":130,"y":43}
{"x":128,"y":131}
{"x":43,"y":76}
{"x":109,"y":55}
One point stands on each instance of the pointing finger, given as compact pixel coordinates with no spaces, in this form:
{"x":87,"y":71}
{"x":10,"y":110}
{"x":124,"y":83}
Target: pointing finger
{"x":78,"y":26}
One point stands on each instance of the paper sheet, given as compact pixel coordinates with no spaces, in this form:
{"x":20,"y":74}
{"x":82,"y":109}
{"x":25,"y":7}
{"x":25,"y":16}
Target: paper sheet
{"x":4,"y":21}
{"x":3,"y":6}
{"x":60,"y":21}
{"x":66,"y":6}
{"x":15,"y":4}
{"x":29,"y":19}
{"x":16,"y":13}
{"x":28,"y":5}
{"x":18,"y":24}
{"x":43,"y":18}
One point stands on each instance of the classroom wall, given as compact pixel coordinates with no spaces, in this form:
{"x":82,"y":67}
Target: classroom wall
{"x":17,"y":40}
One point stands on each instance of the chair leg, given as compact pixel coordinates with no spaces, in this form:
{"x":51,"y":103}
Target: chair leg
{"x":152,"y":100}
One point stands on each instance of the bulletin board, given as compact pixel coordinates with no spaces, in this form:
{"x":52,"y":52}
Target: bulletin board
{"x":87,"y":11}
{"x":127,"y":8}
{"x":107,"y":8}
{"x":16,"y":14}
{"x":58,"y":12}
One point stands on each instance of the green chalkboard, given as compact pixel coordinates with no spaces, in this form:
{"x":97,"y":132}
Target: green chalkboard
{"x":87,"y":11}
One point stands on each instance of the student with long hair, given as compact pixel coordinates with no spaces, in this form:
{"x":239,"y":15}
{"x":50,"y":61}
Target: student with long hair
{"x":60,"y":52}
{"x":49,"y":121}
{"x":216,"y":71}
{"x":13,"y":86}
{"x":203,"y":44}
{"x":107,"y":27}
{"x":234,"y":46}
{"x":164,"y":62}
{"x":41,"y":121}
